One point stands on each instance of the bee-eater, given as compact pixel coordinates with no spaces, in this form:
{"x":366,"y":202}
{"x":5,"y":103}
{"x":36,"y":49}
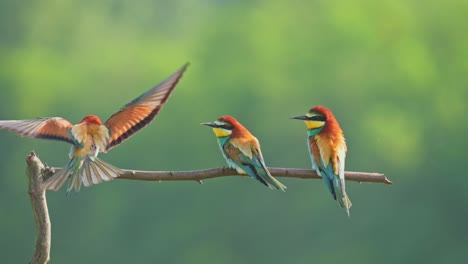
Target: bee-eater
{"x":327,"y":148}
{"x":242,"y":150}
{"x":91,"y":136}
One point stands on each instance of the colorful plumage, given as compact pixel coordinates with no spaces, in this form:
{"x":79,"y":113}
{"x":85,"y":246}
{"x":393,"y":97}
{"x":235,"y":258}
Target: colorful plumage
{"x":242,"y":150}
{"x":90,"y":136}
{"x":327,"y":148}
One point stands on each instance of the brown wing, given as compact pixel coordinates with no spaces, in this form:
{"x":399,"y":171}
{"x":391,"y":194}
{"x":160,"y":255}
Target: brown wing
{"x":141,"y":111}
{"x":55,"y":128}
{"x":315,"y":154}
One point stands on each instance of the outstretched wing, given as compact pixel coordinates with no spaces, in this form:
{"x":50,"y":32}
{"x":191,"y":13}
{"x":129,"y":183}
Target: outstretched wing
{"x":141,"y":111}
{"x":56,"y":128}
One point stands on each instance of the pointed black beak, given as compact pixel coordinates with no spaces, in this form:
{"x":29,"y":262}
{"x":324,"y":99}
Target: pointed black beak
{"x":211,"y":124}
{"x":303,"y":117}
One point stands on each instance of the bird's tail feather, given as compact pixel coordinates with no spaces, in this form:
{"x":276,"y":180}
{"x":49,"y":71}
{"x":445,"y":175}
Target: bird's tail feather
{"x":56,"y":180}
{"x":75,"y":181}
{"x":275,"y":184}
{"x":88,"y":171}
{"x":262,"y":175}
{"x":95,"y":171}
{"x":341,"y":195}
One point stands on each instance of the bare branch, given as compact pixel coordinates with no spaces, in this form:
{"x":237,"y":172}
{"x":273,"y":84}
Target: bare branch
{"x":36,"y":172}
{"x":39,"y":206}
{"x":199,"y":175}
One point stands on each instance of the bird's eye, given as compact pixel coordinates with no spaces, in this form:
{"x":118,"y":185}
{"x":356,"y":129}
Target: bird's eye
{"x":318,"y":118}
{"x":227,"y":126}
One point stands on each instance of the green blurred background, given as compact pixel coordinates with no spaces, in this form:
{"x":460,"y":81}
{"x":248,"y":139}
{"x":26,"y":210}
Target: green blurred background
{"x":394,"y":72}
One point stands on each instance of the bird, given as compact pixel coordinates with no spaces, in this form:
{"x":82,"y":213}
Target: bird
{"x":327,"y":148}
{"x":90,"y":136}
{"x":242,"y":150}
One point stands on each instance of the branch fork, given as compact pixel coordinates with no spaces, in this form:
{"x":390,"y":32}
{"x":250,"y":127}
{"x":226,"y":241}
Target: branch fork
{"x":37,"y":172}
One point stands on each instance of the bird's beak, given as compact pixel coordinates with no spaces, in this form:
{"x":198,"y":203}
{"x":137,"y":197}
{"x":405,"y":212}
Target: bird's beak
{"x":303,"y":117}
{"x":211,"y":124}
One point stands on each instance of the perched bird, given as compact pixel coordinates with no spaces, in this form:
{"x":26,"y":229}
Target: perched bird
{"x":91,"y":136}
{"x":242,"y":150}
{"x":327,"y":148}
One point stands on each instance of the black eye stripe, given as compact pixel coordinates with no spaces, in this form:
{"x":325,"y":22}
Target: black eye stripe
{"x":317,"y":118}
{"x":226,"y":126}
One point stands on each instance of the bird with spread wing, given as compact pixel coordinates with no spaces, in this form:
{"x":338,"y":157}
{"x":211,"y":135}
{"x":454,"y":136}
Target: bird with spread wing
{"x":91,"y":136}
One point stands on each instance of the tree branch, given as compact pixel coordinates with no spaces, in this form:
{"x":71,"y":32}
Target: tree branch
{"x":37,"y":195}
{"x":37,"y":172}
{"x":199,"y":175}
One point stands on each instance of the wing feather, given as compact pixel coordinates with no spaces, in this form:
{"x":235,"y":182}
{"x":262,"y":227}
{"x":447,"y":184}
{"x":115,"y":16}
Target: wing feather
{"x":252,"y":163}
{"x":341,"y":163}
{"x":141,"y":111}
{"x":314,"y":154}
{"x":55,"y":128}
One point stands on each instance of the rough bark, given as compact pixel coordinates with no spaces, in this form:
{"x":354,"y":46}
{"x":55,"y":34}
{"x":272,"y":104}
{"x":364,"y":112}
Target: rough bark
{"x":37,"y":196}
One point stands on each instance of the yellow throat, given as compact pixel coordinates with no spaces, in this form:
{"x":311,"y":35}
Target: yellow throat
{"x":312,"y":124}
{"x":220,"y":132}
